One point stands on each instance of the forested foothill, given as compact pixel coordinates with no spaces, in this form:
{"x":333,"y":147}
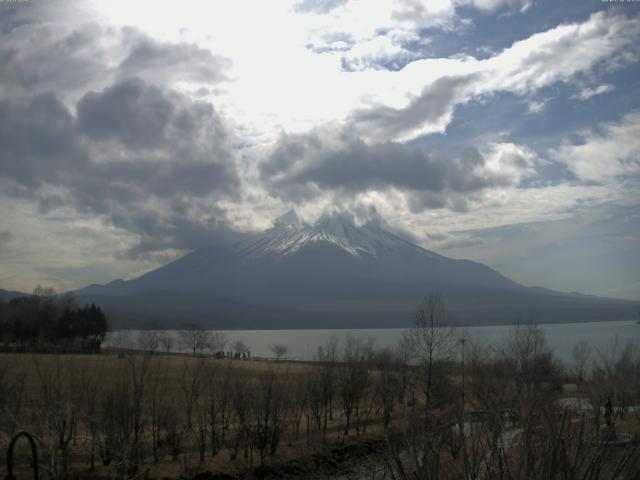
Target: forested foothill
{"x":437,"y":406}
{"x":47,"y":322}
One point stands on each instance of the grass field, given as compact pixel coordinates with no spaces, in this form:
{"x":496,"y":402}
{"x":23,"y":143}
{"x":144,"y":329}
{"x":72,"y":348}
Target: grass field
{"x":159,"y":398}
{"x":130,"y":414}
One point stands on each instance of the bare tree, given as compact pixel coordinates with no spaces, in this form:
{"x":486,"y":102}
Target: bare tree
{"x":528,"y":354}
{"x":354,"y":377}
{"x":615,"y":378}
{"x":316,"y":404}
{"x":279,"y":350}
{"x":217,"y":342}
{"x":297,"y":391}
{"x":217,"y":402}
{"x":194,"y":338}
{"x":328,"y":358}
{"x":149,"y":340}
{"x":432,"y":339}
{"x":240,"y":347}
{"x":242,"y":388}
{"x":92,"y":391}
{"x":193,"y":386}
{"x":58,"y":411}
{"x":12,"y":389}
{"x":191,"y":380}
{"x":581,"y":357}
{"x":166,"y":341}
{"x":269,"y":412}
{"x":138,"y":370}
{"x":387,"y":383}
{"x":404,"y":355}
{"x":155,"y":403}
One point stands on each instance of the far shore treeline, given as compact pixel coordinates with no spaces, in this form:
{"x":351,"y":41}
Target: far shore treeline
{"x":46,"y":322}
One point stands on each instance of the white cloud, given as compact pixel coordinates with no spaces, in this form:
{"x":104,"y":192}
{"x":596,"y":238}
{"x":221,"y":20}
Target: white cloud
{"x":380,"y":49}
{"x":536,"y":107}
{"x":276,"y":82}
{"x":557,"y":55}
{"x":512,"y":161}
{"x":562,"y":52}
{"x":587,"y":93}
{"x":509,"y":206}
{"x":291,"y":77}
{"x":611,"y":151}
{"x":421,"y":13}
{"x":493,"y":5}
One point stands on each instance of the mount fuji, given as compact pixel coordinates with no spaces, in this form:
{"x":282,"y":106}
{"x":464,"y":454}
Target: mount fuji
{"x":330,"y":274}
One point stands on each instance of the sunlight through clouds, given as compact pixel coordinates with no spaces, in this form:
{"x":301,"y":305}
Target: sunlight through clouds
{"x":177,"y":124}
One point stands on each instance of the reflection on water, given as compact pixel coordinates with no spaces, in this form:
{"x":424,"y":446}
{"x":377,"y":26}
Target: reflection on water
{"x":303,"y":344}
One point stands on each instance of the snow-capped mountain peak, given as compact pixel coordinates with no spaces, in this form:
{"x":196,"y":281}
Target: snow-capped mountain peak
{"x":289,"y":234}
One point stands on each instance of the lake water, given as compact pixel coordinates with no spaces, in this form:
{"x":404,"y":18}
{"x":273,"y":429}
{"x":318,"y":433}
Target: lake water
{"x":303,"y":344}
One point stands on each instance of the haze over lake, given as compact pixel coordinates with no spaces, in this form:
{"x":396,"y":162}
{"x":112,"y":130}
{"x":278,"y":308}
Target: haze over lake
{"x":303,"y":344}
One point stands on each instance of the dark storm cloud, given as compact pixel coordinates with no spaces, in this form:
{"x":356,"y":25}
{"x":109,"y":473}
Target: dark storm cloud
{"x":177,"y":145}
{"x":15,"y":14}
{"x":130,"y":112}
{"x":435,"y":101}
{"x":175,"y":231}
{"x":50,"y":57}
{"x":39,"y":144}
{"x":47,"y":203}
{"x":44,"y":57}
{"x":141,"y":157}
{"x":5,"y":236}
{"x":307,"y":165}
{"x":132,"y":155}
{"x":353,"y":164}
{"x":43,"y":143}
{"x":183,"y":61}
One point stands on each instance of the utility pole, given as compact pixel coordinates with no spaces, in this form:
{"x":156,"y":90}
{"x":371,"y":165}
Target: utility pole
{"x":462,"y":439}
{"x":462,"y":342}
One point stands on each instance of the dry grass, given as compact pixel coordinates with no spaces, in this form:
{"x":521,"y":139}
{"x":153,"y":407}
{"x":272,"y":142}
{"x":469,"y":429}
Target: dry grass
{"x":171,"y":368}
{"x":98,"y":373}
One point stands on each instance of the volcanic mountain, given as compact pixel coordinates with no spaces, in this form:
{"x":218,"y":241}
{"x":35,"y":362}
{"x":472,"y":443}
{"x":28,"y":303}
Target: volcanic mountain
{"x":331,"y":274}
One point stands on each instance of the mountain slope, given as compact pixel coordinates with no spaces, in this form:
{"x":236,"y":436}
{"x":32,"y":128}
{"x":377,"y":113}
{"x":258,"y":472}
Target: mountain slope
{"x":8,"y":295}
{"x":334,"y":273}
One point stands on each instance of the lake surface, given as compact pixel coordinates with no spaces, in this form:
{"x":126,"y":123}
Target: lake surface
{"x":303,"y":344}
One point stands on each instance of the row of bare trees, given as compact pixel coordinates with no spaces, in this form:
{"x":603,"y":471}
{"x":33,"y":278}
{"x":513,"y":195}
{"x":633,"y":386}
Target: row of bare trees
{"x":193,"y":338}
{"x":137,"y":409}
{"x":497,"y":415}
{"x":512,"y":419}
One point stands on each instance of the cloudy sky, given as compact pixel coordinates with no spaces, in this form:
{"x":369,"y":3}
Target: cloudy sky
{"x":503,"y":131}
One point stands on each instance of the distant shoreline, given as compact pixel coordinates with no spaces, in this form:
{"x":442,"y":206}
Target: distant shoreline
{"x":456,"y":325}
